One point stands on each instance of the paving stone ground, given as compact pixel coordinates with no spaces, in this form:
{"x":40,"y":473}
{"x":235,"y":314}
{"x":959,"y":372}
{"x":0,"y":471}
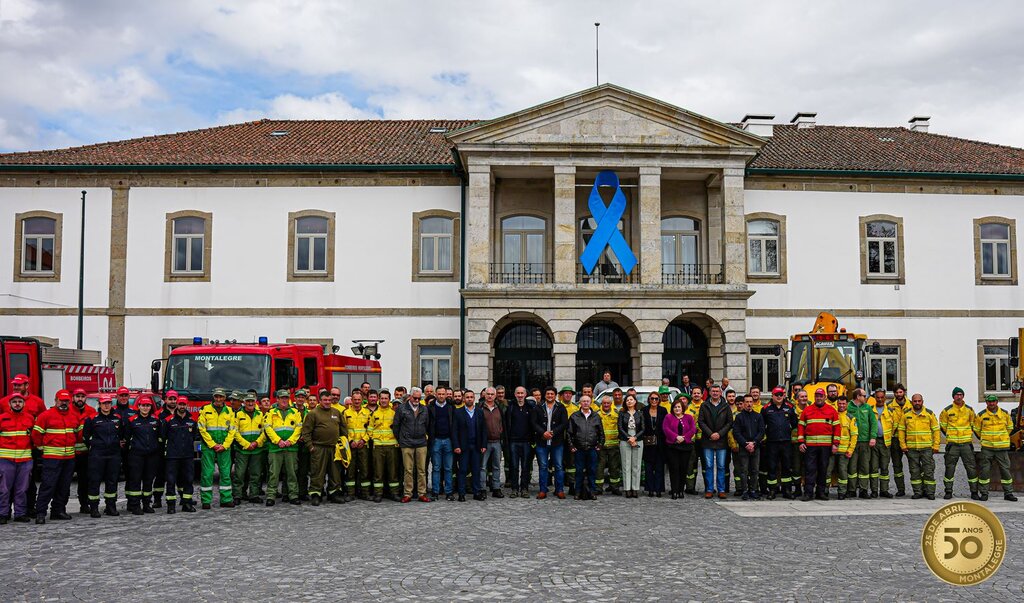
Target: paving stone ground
{"x":647,"y":549}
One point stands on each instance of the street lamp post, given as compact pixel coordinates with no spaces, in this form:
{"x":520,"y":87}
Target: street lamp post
{"x":81,"y":276}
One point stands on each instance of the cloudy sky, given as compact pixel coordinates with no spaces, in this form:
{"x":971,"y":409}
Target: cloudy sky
{"x":78,"y":72}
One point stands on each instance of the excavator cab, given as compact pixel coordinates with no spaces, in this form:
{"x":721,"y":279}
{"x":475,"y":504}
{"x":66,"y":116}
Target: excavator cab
{"x":827,"y":355}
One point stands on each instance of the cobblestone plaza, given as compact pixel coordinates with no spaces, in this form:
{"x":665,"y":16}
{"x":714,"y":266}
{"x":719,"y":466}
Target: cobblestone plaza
{"x":511,"y":549}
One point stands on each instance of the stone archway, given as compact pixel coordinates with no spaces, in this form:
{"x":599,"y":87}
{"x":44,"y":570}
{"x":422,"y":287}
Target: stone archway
{"x":522,"y":355}
{"x":607,"y":341}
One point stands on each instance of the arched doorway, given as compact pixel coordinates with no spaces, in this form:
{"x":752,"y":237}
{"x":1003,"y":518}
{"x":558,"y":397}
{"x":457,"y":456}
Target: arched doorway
{"x":522,"y":356}
{"x":686,"y":353}
{"x":602,"y":345}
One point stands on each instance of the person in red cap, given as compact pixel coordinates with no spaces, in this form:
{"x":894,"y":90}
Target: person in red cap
{"x":56,"y":431}
{"x":142,"y":438}
{"x":15,"y":459}
{"x":34,"y":406}
{"x":84,"y":412}
{"x":780,"y":420}
{"x":123,"y":410}
{"x":165,"y":414}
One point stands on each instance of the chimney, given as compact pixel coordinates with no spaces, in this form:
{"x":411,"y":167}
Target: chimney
{"x":759,"y":124}
{"x":803,"y":119}
{"x":919,"y":123}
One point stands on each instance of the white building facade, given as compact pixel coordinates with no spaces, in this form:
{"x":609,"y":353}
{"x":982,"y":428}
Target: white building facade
{"x":459,"y":244}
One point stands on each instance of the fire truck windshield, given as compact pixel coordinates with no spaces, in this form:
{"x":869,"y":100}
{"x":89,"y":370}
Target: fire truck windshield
{"x":195,"y":375}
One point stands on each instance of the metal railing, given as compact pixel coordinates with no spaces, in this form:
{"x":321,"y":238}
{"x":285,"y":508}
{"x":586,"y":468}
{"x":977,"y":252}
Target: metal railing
{"x":606,"y":273}
{"x":691,"y":274}
{"x":522,"y":274}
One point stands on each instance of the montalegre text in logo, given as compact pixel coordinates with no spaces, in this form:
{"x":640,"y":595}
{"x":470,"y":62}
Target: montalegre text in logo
{"x":963,"y":543}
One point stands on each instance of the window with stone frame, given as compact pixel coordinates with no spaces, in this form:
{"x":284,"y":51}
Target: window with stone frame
{"x":523,"y":250}
{"x":883,"y":367}
{"x":766,"y":367}
{"x":995,"y":250}
{"x":436,"y":239}
{"x":38,"y":245}
{"x":189,"y":238}
{"x":882,"y":249}
{"x":311,"y":235}
{"x":435,"y":366}
{"x":763,"y":257}
{"x":997,"y":369}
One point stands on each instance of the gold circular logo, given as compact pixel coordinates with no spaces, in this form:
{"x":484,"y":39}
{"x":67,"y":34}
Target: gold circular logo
{"x":963,"y":543}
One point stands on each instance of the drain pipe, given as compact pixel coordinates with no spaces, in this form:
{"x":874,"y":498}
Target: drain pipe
{"x":463,"y":178}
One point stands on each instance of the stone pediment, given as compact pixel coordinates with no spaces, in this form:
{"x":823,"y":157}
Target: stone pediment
{"x":606,"y":115}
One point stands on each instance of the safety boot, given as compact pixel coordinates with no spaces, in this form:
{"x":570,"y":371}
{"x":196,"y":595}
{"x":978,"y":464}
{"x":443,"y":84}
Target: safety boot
{"x":157,"y":501}
{"x":94,"y":511}
{"x":111,"y":510}
{"x":147,"y":507}
{"x":170,"y":507}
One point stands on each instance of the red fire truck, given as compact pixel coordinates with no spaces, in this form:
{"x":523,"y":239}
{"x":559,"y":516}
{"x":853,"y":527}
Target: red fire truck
{"x":50,"y":368}
{"x":195,"y":370}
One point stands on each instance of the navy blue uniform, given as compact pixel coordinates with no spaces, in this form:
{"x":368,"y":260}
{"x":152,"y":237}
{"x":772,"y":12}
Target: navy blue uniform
{"x":179,"y":435}
{"x":103,"y":435}
{"x":144,"y":450}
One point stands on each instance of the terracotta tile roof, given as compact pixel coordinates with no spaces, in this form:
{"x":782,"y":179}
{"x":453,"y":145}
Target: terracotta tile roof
{"x":883,"y":149}
{"x":410,"y":142}
{"x":307,"y":142}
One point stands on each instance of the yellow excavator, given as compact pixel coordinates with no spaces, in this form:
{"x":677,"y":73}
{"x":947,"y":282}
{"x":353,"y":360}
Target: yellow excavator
{"x":827,"y":355}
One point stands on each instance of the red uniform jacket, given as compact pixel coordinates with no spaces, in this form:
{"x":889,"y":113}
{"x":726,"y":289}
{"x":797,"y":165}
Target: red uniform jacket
{"x":56,"y":433}
{"x":819,"y":426}
{"x":34,"y":405}
{"x":16,"y":436}
{"x":87,"y":412}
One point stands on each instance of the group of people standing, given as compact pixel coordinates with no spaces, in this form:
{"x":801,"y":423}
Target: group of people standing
{"x":374,"y":445}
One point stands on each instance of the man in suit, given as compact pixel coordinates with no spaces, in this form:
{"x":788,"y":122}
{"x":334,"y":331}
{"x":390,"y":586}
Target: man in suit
{"x":470,"y":445}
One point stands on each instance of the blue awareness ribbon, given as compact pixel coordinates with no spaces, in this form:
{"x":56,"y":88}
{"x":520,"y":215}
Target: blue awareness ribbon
{"x":607,"y":232}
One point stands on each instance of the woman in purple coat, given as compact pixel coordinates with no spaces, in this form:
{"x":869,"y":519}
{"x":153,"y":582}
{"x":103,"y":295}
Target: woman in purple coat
{"x":678,"y":429}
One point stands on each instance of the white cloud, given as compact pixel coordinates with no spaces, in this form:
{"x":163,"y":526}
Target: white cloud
{"x":129,"y":72}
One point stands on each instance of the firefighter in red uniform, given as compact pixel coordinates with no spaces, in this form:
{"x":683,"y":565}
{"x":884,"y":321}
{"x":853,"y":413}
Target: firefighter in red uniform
{"x":56,"y":431}
{"x":84,"y":412}
{"x":15,"y":458}
{"x":34,"y":406}
{"x":818,"y":433}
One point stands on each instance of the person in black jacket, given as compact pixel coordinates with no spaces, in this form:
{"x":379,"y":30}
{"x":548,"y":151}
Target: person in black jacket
{"x":144,"y":450}
{"x":470,"y":444}
{"x":440,"y":436}
{"x":748,"y":429}
{"x":104,"y":434}
{"x":519,"y":433}
{"x":549,"y":422}
{"x":714,"y":420}
{"x":179,"y":432}
{"x":585,"y":436}
{"x":654,"y":442}
{"x":779,"y":422}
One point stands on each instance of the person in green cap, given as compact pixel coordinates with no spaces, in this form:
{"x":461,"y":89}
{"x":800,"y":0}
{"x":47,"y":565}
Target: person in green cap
{"x":957,"y":423}
{"x":303,"y":404}
{"x":993,"y":425}
{"x":664,"y":396}
{"x":283,"y":427}
{"x":217,"y":431}
{"x":863,"y":415}
{"x":249,"y":440}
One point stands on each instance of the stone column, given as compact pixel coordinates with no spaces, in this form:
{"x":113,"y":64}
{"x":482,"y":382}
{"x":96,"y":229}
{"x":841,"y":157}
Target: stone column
{"x":734,"y":348}
{"x":563,"y":332}
{"x":565,"y":227}
{"x":118,"y":278}
{"x":715,"y":230}
{"x":652,"y":348}
{"x":478,"y":350}
{"x":478,"y":225}
{"x":734,"y":228}
{"x":650,"y":228}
